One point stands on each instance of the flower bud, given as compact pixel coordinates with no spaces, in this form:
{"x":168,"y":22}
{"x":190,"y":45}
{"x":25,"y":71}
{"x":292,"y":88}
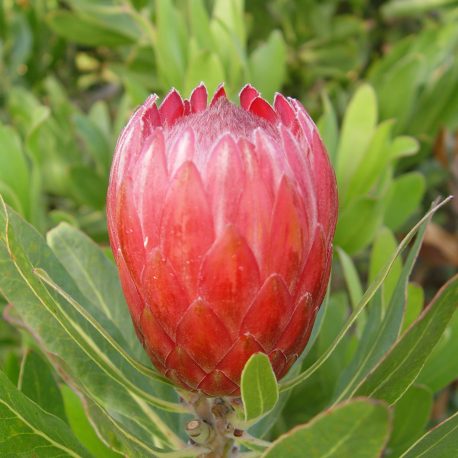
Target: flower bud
{"x":221,"y":221}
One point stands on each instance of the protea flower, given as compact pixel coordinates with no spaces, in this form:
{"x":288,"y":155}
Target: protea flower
{"x":221,"y":220}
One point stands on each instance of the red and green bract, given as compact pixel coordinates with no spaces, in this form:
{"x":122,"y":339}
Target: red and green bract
{"x":221,"y":221}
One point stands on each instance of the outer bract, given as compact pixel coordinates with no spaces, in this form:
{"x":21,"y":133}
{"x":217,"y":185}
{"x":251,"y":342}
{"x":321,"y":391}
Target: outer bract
{"x":221,"y":220}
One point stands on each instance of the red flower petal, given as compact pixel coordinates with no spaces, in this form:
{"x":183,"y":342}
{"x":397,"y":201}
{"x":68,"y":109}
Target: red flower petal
{"x":286,"y":112}
{"x":220,"y":92}
{"x":217,"y":384}
{"x":184,"y":368}
{"x":224,"y":182}
{"x":261,"y":108}
{"x":229,"y":278}
{"x":182,"y":150}
{"x":203,"y":335}
{"x":186,"y":226}
{"x":129,"y":232}
{"x":151,"y":117}
{"x":301,"y":320}
{"x":247,"y":95}
{"x":199,"y":98}
{"x":171,"y":108}
{"x":288,"y":234}
{"x":233,"y":363}
{"x":163,"y":292}
{"x":156,"y":340}
{"x":133,"y":298}
{"x":254,"y":212}
{"x":311,"y":276}
{"x":269,"y":313}
{"x":278,"y":361}
{"x":150,"y":182}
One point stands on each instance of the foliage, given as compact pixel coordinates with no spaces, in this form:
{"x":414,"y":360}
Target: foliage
{"x":380,"y":78}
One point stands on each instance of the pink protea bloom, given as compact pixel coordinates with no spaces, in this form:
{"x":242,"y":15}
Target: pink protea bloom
{"x":221,"y":221}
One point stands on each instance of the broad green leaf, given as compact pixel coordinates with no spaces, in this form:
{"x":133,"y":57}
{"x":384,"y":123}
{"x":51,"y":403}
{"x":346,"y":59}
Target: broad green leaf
{"x":81,"y":426}
{"x":200,"y":24}
{"x":405,"y":196}
{"x":85,"y":30}
{"x":203,"y":66}
{"x":397,"y":92}
{"x":358,"y":223}
{"x":267,"y":65}
{"x":88,"y":186}
{"x":440,"y":369}
{"x":368,"y":295}
{"x":111,"y":16}
{"x":96,"y":276}
{"x":229,"y":35}
{"x":328,"y":128}
{"x":27,"y":430}
{"x":414,"y":306}
{"x":402,"y":364}
{"x":357,"y":130}
{"x":440,"y":442}
{"x":170,"y":45}
{"x":95,"y":141}
{"x":38,"y":383}
{"x":358,"y":428}
{"x":411,"y":416}
{"x":372,"y":164}
{"x":84,"y":344}
{"x":384,"y":246}
{"x":231,"y":15}
{"x":403,"y":146}
{"x":394,"y":9}
{"x":351,"y":277}
{"x":14,"y":172}
{"x":258,"y":386}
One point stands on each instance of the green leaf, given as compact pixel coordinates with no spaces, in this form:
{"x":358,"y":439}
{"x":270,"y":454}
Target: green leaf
{"x":14,"y":173}
{"x":95,"y":141}
{"x":88,"y":186}
{"x":372,"y":164}
{"x":357,"y":130}
{"x":85,"y":30}
{"x":414,"y":306}
{"x":440,"y":369}
{"x":384,"y":246}
{"x":267,"y":65}
{"x":358,"y":224}
{"x":328,"y":128}
{"x":403,"y":146}
{"x":359,"y":428}
{"x":351,"y":277}
{"x":85,"y":345}
{"x":200,"y":25}
{"x":81,"y":426}
{"x":37,"y":382}
{"x":411,"y":416}
{"x":170,"y":46}
{"x":203,"y":66}
{"x":398,"y":89}
{"x":258,"y":386}
{"x":368,"y":295}
{"x":96,"y":276}
{"x":405,"y":197}
{"x":442,"y":441}
{"x":402,"y":364}
{"x":27,"y":430}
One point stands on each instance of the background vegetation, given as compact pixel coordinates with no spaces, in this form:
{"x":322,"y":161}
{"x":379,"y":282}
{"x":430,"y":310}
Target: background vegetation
{"x":380,"y":78}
